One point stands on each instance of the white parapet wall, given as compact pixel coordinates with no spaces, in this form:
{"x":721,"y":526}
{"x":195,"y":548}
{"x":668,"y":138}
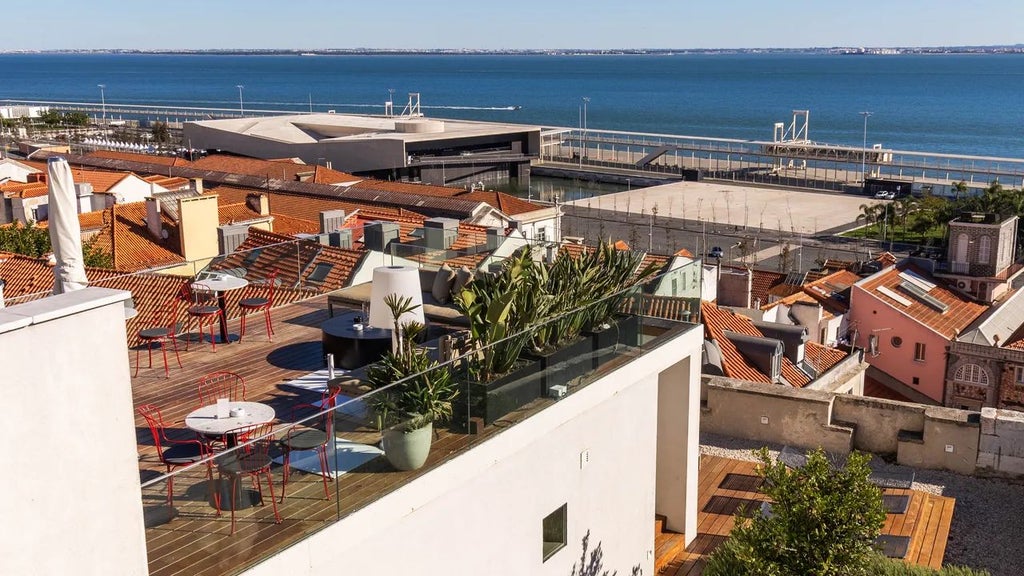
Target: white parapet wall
{"x":71,"y":485}
{"x":596,"y":451}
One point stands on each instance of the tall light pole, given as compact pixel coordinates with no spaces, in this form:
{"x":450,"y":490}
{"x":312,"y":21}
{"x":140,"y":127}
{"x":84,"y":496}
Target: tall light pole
{"x":586,"y":99}
{"x":241,"y":105}
{"x":864,"y":155}
{"x":103,"y":101}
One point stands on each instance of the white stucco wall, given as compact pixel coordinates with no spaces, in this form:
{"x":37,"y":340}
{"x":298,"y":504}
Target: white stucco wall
{"x":482,"y":512}
{"x":72,"y":489}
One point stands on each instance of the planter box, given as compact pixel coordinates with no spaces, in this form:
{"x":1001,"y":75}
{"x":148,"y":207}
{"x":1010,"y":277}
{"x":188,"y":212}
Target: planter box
{"x":624,"y":330}
{"x":564,"y":364}
{"x":493,"y":399}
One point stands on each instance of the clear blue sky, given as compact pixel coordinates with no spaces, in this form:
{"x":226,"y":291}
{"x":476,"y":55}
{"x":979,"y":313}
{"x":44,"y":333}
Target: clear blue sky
{"x":309,"y":24}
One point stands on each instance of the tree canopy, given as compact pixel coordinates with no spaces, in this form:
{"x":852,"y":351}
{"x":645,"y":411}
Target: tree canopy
{"x":823,"y":520}
{"x":35,"y":242}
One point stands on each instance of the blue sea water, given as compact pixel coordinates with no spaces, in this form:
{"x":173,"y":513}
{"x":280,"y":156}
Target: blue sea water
{"x":962,"y":104}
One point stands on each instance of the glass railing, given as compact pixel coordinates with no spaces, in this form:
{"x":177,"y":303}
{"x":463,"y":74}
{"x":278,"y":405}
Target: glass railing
{"x":368,"y":438}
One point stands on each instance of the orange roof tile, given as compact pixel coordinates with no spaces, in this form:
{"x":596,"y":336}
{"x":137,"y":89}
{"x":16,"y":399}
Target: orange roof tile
{"x":833,"y":290}
{"x":285,"y":169}
{"x":86,"y":220}
{"x":717,"y":320}
{"x":127,"y":239}
{"x":959,"y":314}
{"x":507,"y":203}
{"x":409,"y":188}
{"x":133,"y":157}
{"x":822,"y":358}
{"x":168,"y":182}
{"x":294,"y":260}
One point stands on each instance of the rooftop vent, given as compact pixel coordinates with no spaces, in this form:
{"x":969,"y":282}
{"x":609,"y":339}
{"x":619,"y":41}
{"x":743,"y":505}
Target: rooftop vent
{"x":378,"y":236}
{"x":440,"y":233}
{"x":792,"y":337}
{"x":331,"y":220}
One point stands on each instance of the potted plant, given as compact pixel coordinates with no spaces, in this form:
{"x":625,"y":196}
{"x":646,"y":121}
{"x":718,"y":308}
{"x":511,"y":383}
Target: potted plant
{"x":407,"y":411}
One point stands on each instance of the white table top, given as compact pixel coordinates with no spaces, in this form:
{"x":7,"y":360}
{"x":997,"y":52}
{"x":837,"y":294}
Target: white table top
{"x":204,"y":420}
{"x":222,"y":283}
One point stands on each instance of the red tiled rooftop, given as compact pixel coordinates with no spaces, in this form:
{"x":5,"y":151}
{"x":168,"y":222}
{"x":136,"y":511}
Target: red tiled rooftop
{"x":286,"y":169}
{"x":127,"y":239}
{"x":133,"y":157}
{"x":506,"y":203}
{"x":959,"y":314}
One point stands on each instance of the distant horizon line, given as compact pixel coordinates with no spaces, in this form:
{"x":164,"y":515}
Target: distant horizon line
{"x":838,"y":49}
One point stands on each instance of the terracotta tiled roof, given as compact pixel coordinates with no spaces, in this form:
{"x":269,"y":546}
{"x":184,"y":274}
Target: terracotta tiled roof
{"x":1016,"y":340}
{"x":799,"y":297}
{"x":168,"y":182}
{"x":822,"y":358}
{"x":294,"y":261}
{"x":305,"y":207}
{"x":507,"y":203}
{"x":659,"y":261}
{"x":409,"y":188}
{"x":833,"y":291}
{"x":684,"y":253}
{"x":101,"y":181}
{"x":285,"y":169}
{"x":150,"y":291}
{"x":959,"y":314}
{"x":669,"y":307}
{"x":86,"y":221}
{"x":132,"y":157}
{"x":289,"y":226}
{"x":126,"y":238}
{"x":24,"y":190}
{"x":718,"y":320}
{"x":234,"y":213}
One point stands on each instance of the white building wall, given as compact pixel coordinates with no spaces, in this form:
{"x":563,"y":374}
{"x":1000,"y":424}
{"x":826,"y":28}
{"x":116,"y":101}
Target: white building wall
{"x":72,"y":489}
{"x":482,"y":512}
{"x":16,"y":171}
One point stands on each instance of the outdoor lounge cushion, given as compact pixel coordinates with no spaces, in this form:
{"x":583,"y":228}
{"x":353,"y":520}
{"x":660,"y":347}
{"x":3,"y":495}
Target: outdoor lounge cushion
{"x":443,"y":284}
{"x":462,"y":277}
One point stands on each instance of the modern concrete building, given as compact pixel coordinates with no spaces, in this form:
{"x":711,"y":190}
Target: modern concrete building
{"x":407,"y":148}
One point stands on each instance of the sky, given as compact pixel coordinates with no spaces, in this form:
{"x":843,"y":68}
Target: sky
{"x":520,"y":24}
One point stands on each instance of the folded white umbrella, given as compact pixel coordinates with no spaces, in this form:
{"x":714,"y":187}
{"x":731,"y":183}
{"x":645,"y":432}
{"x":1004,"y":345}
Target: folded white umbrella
{"x":65,"y":231}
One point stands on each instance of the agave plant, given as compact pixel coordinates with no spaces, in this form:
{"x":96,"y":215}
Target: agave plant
{"x":428,"y":393}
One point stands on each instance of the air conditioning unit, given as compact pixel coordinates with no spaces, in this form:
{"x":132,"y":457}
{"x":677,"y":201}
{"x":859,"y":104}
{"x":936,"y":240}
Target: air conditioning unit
{"x":961,"y":284}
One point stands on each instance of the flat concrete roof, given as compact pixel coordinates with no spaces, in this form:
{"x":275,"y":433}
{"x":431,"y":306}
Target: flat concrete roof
{"x":312,"y":128}
{"x":773,"y":208}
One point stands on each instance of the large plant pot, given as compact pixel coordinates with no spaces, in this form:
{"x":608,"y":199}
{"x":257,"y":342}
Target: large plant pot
{"x":407,"y":450}
{"x":622,"y":330}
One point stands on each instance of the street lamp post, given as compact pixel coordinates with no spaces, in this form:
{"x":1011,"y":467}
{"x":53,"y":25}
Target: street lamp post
{"x":864,"y":150}
{"x":241,"y":104}
{"x":586,"y":99}
{"x":103,"y":101}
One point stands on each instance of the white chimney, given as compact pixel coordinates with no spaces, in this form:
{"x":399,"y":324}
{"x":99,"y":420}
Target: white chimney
{"x":2,"y":284}
{"x":153,"y":221}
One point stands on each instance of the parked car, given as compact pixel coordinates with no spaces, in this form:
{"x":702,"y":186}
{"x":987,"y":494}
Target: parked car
{"x":885,"y":195}
{"x":716,"y":252}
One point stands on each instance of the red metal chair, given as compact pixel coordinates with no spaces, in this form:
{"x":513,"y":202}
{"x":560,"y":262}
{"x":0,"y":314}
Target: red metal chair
{"x":315,"y":433}
{"x":202,"y":306}
{"x":221,"y":384}
{"x":250,"y":459}
{"x":257,"y":304}
{"x":161,"y":334}
{"x":173,"y":452}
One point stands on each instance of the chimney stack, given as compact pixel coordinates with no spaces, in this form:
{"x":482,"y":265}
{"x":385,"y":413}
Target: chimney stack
{"x":377,"y":236}
{"x":494,"y":237}
{"x":197,"y":185}
{"x":440,"y":233}
{"x":258,"y":203}
{"x":153,"y":220}
{"x":331,"y":221}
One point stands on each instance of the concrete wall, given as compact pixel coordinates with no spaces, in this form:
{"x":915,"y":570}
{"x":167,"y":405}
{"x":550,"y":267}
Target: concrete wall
{"x":919,"y":435}
{"x":73,"y":495}
{"x":197,"y":222}
{"x":1002,"y":441}
{"x":481,"y":512}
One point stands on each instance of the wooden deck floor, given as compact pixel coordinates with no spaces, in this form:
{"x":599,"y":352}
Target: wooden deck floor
{"x":198,"y":542}
{"x":727,"y":484}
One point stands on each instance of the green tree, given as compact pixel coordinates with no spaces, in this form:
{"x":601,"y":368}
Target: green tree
{"x":161,"y":134}
{"x":824,"y":520}
{"x":35,"y":242}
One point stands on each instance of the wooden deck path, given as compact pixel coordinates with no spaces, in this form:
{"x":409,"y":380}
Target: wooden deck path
{"x":725,"y":484}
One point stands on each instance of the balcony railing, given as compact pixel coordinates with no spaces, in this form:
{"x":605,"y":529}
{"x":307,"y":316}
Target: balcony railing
{"x":484,"y":405}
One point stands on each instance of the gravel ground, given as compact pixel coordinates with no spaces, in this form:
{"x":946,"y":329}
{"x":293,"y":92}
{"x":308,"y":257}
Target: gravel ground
{"x":988,"y":520}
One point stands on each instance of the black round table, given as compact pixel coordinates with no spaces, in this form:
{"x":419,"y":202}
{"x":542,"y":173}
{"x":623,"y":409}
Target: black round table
{"x":353,"y":348}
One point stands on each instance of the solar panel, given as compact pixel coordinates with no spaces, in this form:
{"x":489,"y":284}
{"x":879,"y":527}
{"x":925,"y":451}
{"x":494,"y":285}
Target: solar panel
{"x":917,"y":280}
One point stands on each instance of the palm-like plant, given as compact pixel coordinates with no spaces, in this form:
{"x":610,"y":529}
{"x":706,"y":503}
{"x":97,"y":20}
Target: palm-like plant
{"x":427,"y":392}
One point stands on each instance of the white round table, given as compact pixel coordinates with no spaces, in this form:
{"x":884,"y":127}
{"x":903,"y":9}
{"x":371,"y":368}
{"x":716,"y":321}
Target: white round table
{"x":204,"y":420}
{"x":220,"y":284}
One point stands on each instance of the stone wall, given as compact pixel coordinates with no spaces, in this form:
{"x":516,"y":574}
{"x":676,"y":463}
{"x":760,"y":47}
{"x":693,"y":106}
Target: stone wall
{"x":917,"y":435}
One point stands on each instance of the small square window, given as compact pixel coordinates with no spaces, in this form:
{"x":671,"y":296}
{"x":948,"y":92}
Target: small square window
{"x":554,"y":532}
{"x":916,"y":380}
{"x":1018,"y":374}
